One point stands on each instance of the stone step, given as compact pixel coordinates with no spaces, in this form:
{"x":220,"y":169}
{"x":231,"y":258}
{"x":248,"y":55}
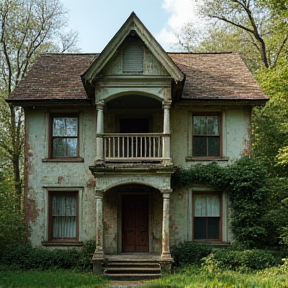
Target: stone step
{"x":129,"y":275}
{"x":131,"y":269}
{"x":133,"y":264}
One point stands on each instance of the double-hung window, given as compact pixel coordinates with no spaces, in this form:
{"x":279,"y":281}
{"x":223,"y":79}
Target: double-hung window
{"x":64,"y":136}
{"x":207,"y":216}
{"x":206,"y":135}
{"x":63,"y":218}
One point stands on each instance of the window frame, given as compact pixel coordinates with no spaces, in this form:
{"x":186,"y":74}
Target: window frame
{"x":51,"y":137}
{"x":208,"y":240}
{"x":50,"y":216}
{"x":219,"y":117}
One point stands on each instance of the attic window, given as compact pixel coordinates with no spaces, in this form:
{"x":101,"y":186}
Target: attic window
{"x":133,"y":57}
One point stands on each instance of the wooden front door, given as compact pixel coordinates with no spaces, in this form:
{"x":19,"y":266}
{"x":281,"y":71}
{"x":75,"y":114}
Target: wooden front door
{"x":135,"y":209}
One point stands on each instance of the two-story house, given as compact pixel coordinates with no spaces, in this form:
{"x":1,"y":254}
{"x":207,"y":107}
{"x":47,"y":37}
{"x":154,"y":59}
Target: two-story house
{"x":105,"y":132}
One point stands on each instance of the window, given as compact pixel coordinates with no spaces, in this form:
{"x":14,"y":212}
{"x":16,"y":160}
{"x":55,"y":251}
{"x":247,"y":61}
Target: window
{"x":133,"y":56}
{"x":64,"y":136}
{"x":206,"y":135}
{"x":63,"y":218}
{"x":207,"y":216}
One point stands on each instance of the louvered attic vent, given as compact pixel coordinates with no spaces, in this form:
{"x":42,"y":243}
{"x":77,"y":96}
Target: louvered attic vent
{"x":133,"y":57}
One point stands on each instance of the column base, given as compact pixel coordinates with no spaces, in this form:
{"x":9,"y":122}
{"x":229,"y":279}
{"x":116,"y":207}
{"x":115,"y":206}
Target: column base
{"x":166,"y":265}
{"x":97,"y":261}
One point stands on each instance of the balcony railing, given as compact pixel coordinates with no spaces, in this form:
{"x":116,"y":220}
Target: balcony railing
{"x":127,"y":146}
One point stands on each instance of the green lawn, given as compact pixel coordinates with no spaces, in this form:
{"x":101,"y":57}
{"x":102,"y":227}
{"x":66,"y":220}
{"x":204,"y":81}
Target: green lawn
{"x":194,"y":277}
{"x":190,"y":277}
{"x":49,"y":279}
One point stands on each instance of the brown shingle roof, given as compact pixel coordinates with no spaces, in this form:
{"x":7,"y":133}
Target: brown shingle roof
{"x":221,"y":76}
{"x":217,"y":76}
{"x":55,"y":76}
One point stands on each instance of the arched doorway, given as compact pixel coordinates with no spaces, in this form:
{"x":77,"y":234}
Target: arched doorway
{"x":134,"y":213}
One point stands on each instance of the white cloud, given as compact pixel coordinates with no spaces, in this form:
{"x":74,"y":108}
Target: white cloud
{"x":181,"y":12}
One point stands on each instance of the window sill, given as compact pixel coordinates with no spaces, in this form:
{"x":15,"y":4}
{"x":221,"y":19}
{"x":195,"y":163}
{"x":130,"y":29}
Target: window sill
{"x":216,"y":243}
{"x":61,"y":243}
{"x":68,"y":160}
{"x":206,"y":158}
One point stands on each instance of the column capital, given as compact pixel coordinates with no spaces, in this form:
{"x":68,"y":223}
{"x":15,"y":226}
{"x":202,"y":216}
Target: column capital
{"x":166,"y":191}
{"x":166,"y":104}
{"x":99,"y":193}
{"x":100,"y":104}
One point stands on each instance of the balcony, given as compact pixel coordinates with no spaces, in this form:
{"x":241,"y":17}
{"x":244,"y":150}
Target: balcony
{"x":122,"y":147}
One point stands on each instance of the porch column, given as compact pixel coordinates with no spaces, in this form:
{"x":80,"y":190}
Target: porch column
{"x":98,"y":255}
{"x":165,"y":226}
{"x":166,"y":131}
{"x":100,"y":132}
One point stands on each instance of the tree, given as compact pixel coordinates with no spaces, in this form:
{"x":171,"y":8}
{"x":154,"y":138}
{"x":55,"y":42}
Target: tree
{"x":270,"y":127}
{"x":261,"y":25}
{"x":27,"y":28}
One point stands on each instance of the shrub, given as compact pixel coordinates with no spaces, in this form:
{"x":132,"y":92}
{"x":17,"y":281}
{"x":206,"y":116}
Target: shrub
{"x":253,"y":259}
{"x":189,"y":253}
{"x":25,"y":257}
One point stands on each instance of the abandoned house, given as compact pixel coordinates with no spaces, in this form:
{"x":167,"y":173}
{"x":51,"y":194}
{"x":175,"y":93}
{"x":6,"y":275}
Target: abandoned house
{"x":105,"y":133}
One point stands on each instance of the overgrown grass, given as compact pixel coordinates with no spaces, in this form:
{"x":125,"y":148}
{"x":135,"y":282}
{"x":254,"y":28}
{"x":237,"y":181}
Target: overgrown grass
{"x":195,"y":277}
{"x":49,"y":279}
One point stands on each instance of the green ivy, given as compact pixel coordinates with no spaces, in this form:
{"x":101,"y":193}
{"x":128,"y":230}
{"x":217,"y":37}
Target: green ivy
{"x":245,"y":182}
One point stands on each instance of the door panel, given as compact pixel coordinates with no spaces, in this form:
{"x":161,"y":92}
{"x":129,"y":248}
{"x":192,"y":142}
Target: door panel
{"x":135,"y":237}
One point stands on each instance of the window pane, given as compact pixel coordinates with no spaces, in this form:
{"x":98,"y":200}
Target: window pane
{"x":199,"y":146}
{"x":71,"y":147}
{"x":199,"y":228}
{"x":65,"y":126}
{"x":212,"y":125}
{"x":59,"y":147}
{"x":213,"y":146}
{"x":213,"y":228}
{"x":213,"y":205}
{"x":64,"y":216}
{"x":199,"y":125}
{"x":200,"y":205}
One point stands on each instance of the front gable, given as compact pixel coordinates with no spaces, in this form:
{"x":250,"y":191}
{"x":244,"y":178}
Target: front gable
{"x":133,"y":63}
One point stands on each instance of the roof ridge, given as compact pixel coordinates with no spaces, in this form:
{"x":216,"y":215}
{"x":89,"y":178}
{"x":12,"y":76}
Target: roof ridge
{"x":199,"y":53}
{"x":67,"y":54}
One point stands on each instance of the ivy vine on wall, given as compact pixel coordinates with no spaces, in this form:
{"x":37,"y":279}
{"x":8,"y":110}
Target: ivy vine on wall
{"x":245,"y":182}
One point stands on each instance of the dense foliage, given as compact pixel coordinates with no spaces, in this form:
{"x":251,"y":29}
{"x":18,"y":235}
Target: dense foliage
{"x":189,"y":253}
{"x":25,"y":257}
{"x":245,"y":181}
{"x":12,"y":228}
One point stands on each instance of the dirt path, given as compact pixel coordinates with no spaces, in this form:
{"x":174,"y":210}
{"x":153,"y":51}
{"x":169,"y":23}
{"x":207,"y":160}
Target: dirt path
{"x":125,"y":284}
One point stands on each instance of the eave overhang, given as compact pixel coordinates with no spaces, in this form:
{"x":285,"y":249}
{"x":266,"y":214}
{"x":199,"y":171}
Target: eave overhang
{"x":49,"y":102}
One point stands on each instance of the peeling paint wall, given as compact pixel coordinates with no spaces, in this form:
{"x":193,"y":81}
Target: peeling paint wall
{"x":42,"y":175}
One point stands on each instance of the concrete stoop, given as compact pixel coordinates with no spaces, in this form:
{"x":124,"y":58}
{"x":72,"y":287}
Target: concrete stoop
{"x":132,"y":268}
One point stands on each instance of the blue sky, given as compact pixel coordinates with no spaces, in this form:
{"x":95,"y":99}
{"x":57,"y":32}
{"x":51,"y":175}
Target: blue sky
{"x":97,"y":21}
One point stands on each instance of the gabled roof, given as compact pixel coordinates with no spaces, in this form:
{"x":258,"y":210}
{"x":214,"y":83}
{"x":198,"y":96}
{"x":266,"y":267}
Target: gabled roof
{"x":133,"y":24}
{"x":209,"y":77}
{"x":217,"y":76}
{"x":54,"y":77}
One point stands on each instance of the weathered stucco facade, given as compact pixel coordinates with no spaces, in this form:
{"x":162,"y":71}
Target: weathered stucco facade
{"x":105,"y":133}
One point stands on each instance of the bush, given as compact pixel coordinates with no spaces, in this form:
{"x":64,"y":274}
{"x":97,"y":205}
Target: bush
{"x":253,"y":259}
{"x":25,"y":257}
{"x":189,"y":253}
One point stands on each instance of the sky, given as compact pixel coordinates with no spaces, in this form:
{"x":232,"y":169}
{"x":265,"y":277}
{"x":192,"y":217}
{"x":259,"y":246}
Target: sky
{"x":97,"y":21}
